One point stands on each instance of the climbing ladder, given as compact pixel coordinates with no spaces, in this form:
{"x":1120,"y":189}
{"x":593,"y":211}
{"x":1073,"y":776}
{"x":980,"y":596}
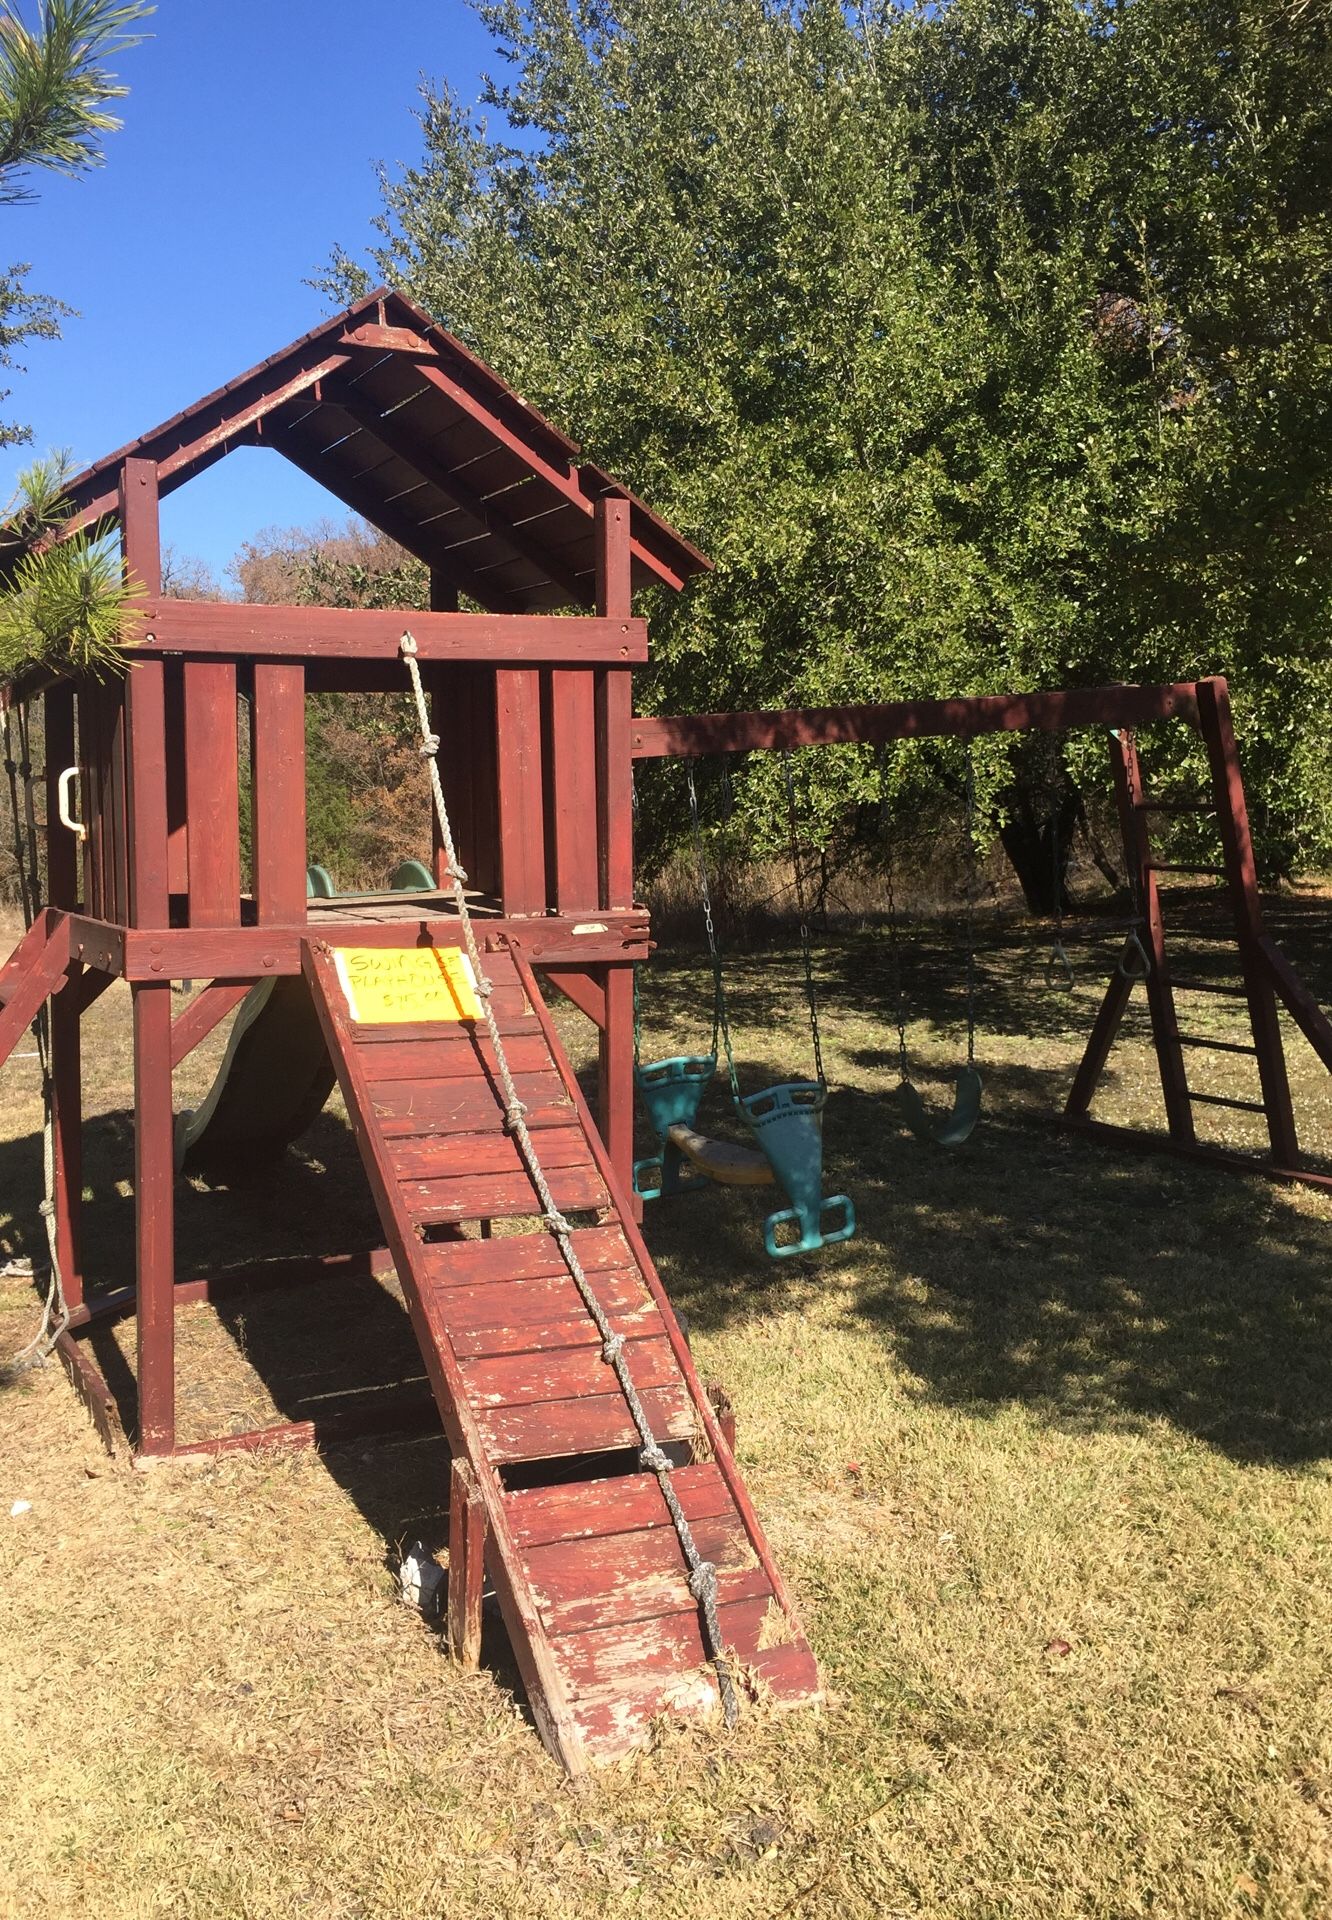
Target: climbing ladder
{"x":578,"y":1541}
{"x":1265,"y":975}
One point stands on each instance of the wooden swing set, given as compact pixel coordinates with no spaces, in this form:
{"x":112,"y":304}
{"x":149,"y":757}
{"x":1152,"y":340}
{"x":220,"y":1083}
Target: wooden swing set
{"x":591,"y":1479}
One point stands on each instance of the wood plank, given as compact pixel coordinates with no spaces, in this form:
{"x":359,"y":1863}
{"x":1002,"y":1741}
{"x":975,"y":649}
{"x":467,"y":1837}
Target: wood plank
{"x":212,"y":785}
{"x":467,"y":1547}
{"x":614,"y":707}
{"x":236,"y":630}
{"x":563,"y":1373}
{"x":601,"y":1660}
{"x":700,"y":733}
{"x":571,"y":752}
{"x":62,"y":847}
{"x":549,"y":1429}
{"x":523,"y":1310}
{"x":418,"y":1161}
{"x":278,"y":791}
{"x":641,"y":1321}
{"x":589,"y":1508}
{"x":499,"y":1196}
{"x":636,"y":1592}
{"x":441,"y":1060}
{"x":145,"y":705}
{"x":522,"y":831}
{"x":524,"y":1256}
{"x":462,"y":1106}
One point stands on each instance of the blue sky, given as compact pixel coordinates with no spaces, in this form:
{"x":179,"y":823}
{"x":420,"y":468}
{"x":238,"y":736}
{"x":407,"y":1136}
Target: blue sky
{"x":251,"y":136}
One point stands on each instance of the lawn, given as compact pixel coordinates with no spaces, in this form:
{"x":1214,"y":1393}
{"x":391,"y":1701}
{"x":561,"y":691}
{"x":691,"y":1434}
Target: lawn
{"x":1044,"y":1453}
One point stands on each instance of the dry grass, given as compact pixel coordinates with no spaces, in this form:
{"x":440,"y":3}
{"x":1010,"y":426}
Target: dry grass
{"x":1045,"y":1453}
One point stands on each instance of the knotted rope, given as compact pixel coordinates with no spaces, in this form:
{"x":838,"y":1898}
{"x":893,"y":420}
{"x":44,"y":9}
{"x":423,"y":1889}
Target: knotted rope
{"x":702,"y":1573}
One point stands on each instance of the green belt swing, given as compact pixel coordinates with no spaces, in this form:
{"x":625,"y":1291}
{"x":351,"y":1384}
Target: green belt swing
{"x":786,"y":1120}
{"x":955,"y":1127}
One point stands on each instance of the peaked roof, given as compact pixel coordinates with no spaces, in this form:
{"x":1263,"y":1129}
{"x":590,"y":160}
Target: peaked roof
{"x":396,"y":417}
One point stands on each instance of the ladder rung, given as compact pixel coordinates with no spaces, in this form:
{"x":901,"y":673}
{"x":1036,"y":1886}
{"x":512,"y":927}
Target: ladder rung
{"x":1172,"y":866}
{"x":1213,"y":1046}
{"x":1221,"y":1100}
{"x":1208,"y":986}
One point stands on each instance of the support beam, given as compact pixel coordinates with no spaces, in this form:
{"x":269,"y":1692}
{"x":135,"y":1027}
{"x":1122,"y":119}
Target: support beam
{"x":232,"y":630}
{"x":614,"y":706}
{"x":467,"y":1548}
{"x":145,"y":711}
{"x":154,"y":1218}
{"x":207,"y":1010}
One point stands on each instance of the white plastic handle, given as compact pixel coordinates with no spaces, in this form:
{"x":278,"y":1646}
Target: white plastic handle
{"x":66,"y":780}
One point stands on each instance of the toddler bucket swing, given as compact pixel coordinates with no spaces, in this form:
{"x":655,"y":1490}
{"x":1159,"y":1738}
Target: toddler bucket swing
{"x":786,"y":1120}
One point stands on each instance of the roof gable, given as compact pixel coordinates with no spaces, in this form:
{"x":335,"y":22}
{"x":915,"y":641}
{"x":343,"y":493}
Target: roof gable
{"x":396,"y":418}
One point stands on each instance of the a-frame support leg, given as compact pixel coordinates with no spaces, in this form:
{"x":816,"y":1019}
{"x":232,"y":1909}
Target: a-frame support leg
{"x":67,"y":1133}
{"x":467,"y":1561}
{"x":1129,"y":797}
{"x":1232,"y":814}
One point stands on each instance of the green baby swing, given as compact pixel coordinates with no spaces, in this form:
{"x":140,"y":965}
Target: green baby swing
{"x":786,"y":1120}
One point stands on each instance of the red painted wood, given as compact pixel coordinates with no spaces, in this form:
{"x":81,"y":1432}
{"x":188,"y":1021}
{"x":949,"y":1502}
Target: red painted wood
{"x":699,"y":733}
{"x":145,"y":703}
{"x":667,"y":1646}
{"x":116,"y":803}
{"x":526,"y":1256}
{"x":405,"y":1411}
{"x":525,"y":1308}
{"x":467,"y":1546}
{"x":587,"y":994}
{"x":614,"y":706}
{"x":1242,"y":880}
{"x":1109,"y":1017}
{"x":67,"y":1133}
{"x":206,"y":1011}
{"x":178,"y":832}
{"x":615,"y":1074}
{"x":38,"y":966}
{"x":92,"y":1390}
{"x":541,"y":1516}
{"x":237,"y":952}
{"x":439,"y":680}
{"x":552,"y":1429}
{"x":1220,"y":1158}
{"x":212,"y":786}
{"x":154,"y":1218}
{"x":267,"y":1277}
{"x":467,"y":1106}
{"x":420,"y":1159}
{"x":711,"y":1432}
{"x":236,"y":630}
{"x":571,"y":749}
{"x":637,"y":1597}
{"x":499,"y":1196}
{"x":279,"y":836}
{"x":522,"y":833}
{"x":544,"y":1683}
{"x":563,"y":1373}
{"x":1301,"y":1005}
{"x":641,"y":1321}
{"x":64,"y":878}
{"x":1126,"y":772}
{"x":442,"y":1060}
{"x":145,"y":710}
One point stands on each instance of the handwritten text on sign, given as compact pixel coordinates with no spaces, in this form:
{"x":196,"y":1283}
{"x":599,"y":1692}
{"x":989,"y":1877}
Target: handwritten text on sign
{"x":390,"y":985}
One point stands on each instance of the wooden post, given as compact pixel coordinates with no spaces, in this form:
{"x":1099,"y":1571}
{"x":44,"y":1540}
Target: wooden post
{"x":67,"y":1134}
{"x":522,"y":833}
{"x":154,"y":1208}
{"x":1127,"y":772}
{"x":1232,"y":811}
{"x":145,"y":711}
{"x":615,"y":837}
{"x":278,"y":792}
{"x":467,"y":1555}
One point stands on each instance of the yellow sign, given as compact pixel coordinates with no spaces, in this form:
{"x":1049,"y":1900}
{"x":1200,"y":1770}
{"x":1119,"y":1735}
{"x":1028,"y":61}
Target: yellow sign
{"x":396,"y":985}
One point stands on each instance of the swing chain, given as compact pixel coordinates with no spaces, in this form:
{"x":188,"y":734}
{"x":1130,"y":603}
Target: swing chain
{"x":702,"y":1576}
{"x":894,"y":929}
{"x":721,"y":1024}
{"x":806,"y":945}
{"x":972,"y":886}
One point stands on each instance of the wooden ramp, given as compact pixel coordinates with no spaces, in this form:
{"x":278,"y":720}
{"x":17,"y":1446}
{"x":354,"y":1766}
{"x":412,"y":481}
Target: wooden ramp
{"x":586,"y":1563}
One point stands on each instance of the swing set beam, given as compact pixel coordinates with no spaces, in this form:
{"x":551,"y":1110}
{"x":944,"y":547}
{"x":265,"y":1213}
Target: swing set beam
{"x":1267,"y":978}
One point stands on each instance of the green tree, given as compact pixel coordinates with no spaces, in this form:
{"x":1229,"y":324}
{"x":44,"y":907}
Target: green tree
{"x":55,"y":97}
{"x":983,"y":346}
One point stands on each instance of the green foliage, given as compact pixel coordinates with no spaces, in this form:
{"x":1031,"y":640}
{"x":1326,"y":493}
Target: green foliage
{"x":64,"y":602}
{"x":55,"y":91}
{"x":982,"y":345}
